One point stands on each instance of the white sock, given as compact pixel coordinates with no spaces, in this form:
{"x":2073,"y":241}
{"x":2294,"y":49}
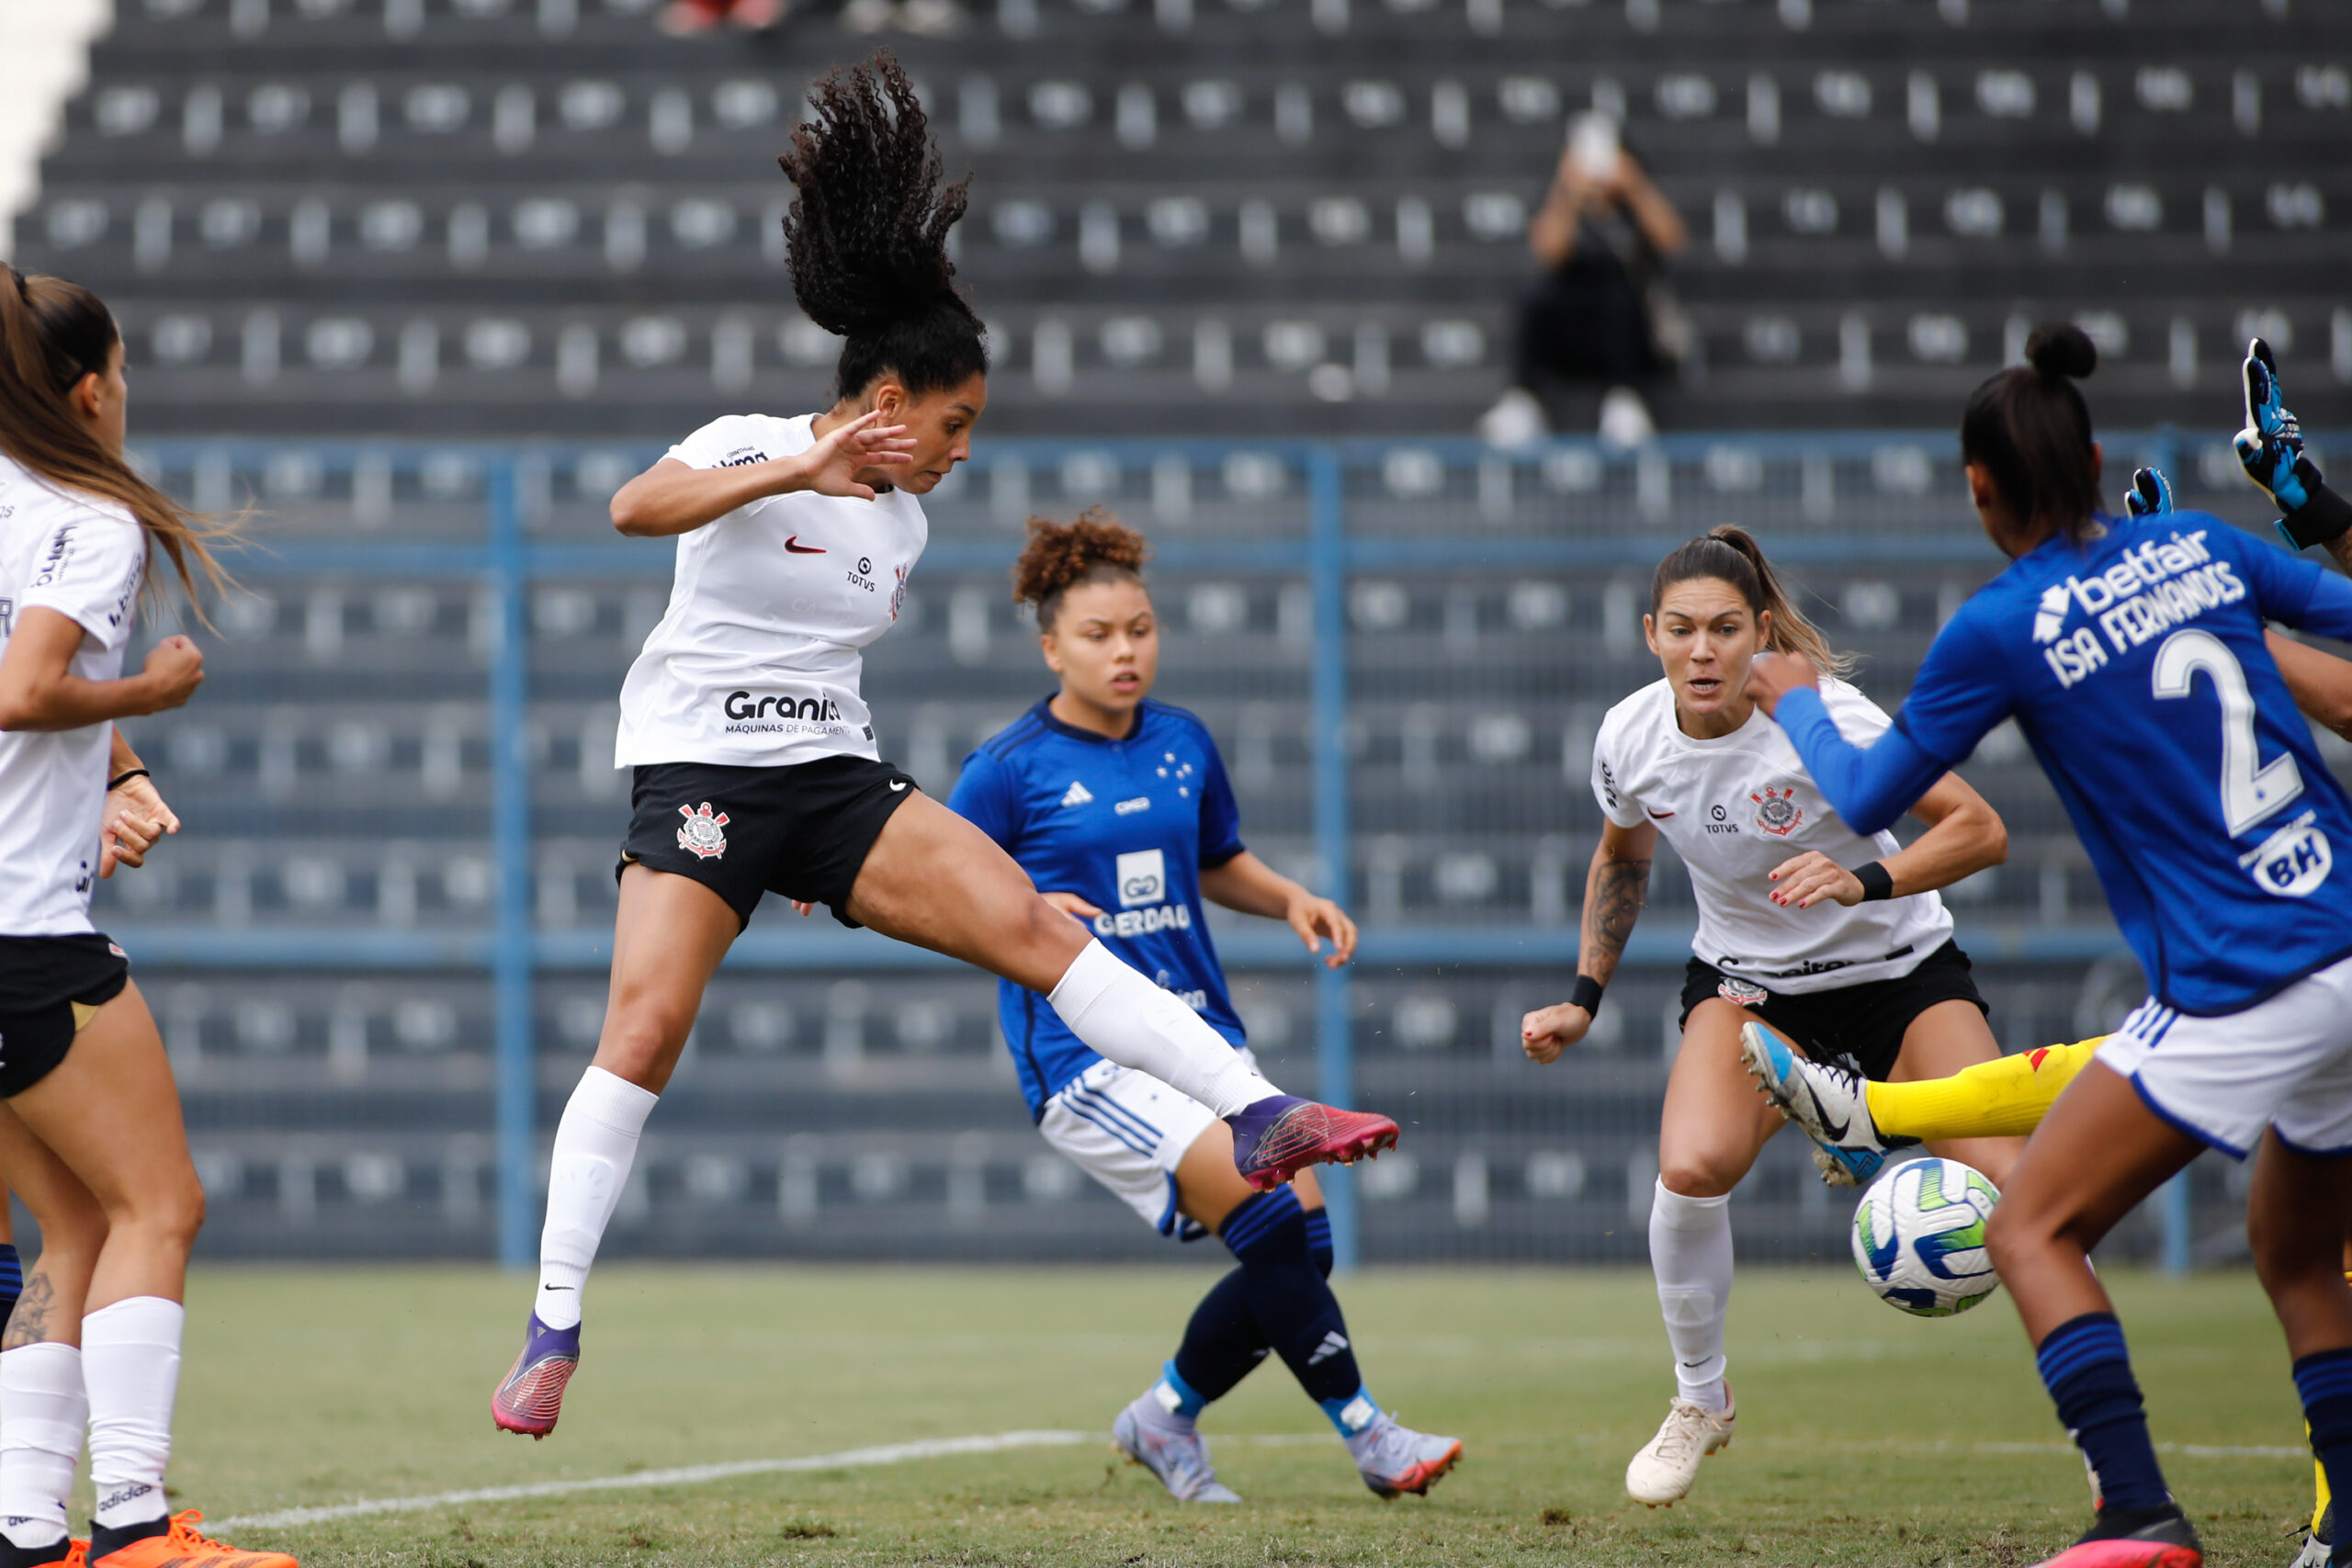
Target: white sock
{"x":1135,"y":1024}
{"x":130,"y":1365}
{"x":595,"y":1143}
{"x":1690,"y":1254}
{"x":44,"y":1412}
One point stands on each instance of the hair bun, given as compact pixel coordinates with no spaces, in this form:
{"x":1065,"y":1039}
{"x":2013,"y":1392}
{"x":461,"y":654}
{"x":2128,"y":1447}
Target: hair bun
{"x":2061,"y":348}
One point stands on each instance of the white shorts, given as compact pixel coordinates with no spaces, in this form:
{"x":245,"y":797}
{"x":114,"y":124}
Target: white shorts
{"x":1130,"y":1132}
{"x":2284,"y":1062}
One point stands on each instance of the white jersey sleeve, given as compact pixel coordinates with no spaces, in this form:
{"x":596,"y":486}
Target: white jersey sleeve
{"x":731,"y":441}
{"x":1616,"y":804}
{"x":1857,"y":719}
{"x":88,"y":567}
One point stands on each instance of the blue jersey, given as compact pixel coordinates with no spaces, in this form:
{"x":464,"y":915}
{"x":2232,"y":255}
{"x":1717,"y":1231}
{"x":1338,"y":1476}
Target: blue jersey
{"x":2136,"y":667}
{"x":1126,"y":825}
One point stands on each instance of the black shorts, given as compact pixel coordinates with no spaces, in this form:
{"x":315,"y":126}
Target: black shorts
{"x":1861,"y":1024}
{"x":49,"y":988}
{"x":802,"y":830}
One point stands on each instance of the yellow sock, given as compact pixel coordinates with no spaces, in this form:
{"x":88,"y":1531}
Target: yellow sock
{"x":1991,"y":1099}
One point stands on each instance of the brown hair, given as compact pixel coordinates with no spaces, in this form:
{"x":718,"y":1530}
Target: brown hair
{"x":1730,"y":554}
{"x":52,"y":333}
{"x":2028,"y":428}
{"x":1093,"y":547}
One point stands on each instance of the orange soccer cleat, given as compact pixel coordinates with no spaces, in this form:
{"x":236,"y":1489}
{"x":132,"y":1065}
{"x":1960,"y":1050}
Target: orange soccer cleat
{"x":177,"y":1545}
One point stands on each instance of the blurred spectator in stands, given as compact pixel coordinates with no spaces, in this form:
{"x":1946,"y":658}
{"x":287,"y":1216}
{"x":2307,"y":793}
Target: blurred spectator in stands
{"x":1602,"y":321}
{"x":924,"y":19}
{"x":685,"y":18}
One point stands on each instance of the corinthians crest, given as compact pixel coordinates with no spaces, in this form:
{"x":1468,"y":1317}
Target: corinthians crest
{"x":701,"y":835}
{"x":1776,"y":812}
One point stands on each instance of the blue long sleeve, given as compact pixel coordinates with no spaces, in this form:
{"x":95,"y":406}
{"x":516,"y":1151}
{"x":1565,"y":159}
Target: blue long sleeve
{"x":1871,"y":785}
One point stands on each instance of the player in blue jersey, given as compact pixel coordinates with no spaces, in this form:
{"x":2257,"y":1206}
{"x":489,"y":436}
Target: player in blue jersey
{"x":2129,"y":651}
{"x":1118,"y":808}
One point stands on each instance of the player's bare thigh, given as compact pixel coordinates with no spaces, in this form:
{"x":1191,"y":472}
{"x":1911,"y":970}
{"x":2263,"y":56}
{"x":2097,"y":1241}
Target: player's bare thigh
{"x":1945,"y":1039}
{"x":1208,"y":1188}
{"x":934,"y":880}
{"x":1715,"y":1123}
{"x":669,"y":935}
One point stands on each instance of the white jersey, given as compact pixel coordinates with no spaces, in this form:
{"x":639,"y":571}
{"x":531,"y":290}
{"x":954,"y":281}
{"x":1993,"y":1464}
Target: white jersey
{"x":83,"y":557}
{"x":1736,"y":806}
{"x":756,"y":664}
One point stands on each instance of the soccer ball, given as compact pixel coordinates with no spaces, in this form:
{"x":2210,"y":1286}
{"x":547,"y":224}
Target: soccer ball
{"x":1919,"y":1237}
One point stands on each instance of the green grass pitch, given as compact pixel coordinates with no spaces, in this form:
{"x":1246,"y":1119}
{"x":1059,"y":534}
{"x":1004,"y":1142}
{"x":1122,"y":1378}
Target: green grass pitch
{"x":1866,"y":1438}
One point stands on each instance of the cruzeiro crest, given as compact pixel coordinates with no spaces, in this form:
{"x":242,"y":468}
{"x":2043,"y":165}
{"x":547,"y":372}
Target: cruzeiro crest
{"x":1776,"y":812}
{"x":701,"y":836}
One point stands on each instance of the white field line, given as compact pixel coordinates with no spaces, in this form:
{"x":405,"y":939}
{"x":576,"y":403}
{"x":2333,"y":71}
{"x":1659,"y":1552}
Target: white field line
{"x":983,"y":1443}
{"x":688,"y":1475}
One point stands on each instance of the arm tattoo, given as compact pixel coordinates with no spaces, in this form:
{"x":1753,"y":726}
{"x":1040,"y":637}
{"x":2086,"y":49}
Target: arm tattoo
{"x":1612,"y":902}
{"x":28,"y":1324}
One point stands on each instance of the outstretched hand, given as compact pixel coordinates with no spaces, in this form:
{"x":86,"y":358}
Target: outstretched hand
{"x":831,"y":467}
{"x":1771,"y":676}
{"x":2150,"y":495}
{"x":2270,"y":448}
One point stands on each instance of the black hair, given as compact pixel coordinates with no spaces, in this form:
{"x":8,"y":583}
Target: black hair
{"x":2030,"y":430}
{"x":1094,"y":546}
{"x":867,"y":235}
{"x":1731,"y":555}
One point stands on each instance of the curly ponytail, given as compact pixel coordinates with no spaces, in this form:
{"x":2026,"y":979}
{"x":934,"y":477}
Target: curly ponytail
{"x":867,"y":235}
{"x":53,"y":332}
{"x":1094,"y":546}
{"x":1730,"y":554}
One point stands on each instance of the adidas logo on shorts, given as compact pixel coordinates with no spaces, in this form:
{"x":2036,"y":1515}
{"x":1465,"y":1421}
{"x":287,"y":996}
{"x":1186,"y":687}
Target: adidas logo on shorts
{"x":1333,"y":1343}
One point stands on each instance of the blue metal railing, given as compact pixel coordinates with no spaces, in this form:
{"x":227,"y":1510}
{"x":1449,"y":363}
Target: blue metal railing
{"x":508,"y":559}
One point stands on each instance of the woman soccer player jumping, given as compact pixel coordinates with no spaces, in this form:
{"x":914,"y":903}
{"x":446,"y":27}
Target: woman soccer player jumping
{"x":1835,"y":936}
{"x":90,"y":1130}
{"x":1119,"y":807}
{"x":754,"y":755}
{"x":2130,"y":653}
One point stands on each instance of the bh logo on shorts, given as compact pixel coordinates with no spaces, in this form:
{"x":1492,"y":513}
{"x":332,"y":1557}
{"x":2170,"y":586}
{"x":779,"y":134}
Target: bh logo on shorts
{"x":1741,"y":993}
{"x":1143,"y":878}
{"x":701,"y":836}
{"x":2292,"y":862}
{"x":1776,"y":812}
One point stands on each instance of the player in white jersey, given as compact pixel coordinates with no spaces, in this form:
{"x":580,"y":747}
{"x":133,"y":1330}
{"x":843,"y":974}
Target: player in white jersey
{"x":754,"y":758}
{"x":90,"y":1130}
{"x":1835,"y":938}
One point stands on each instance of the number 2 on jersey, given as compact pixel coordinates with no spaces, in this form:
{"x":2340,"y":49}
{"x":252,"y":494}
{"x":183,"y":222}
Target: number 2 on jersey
{"x":2249,"y":793}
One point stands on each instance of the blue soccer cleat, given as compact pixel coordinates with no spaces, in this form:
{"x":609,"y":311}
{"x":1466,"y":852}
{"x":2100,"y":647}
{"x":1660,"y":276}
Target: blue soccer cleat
{"x":531,"y":1396}
{"x":1824,"y":1100}
{"x":1282,"y":1134}
{"x":1180,"y":1458}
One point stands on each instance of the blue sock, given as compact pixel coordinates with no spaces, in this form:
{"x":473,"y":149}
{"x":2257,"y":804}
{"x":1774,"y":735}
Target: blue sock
{"x":1222,"y":1343}
{"x":1319,"y":1241}
{"x":1294,"y":1304}
{"x":12,"y":1281}
{"x":2324,"y":1379}
{"x":2088,"y":1372}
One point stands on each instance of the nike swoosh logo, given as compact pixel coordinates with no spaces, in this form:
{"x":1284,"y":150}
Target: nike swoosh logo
{"x":1661,"y":815}
{"x":794,"y":547}
{"x":1821,"y":1114}
{"x":558,"y":1287}
{"x":898,"y":784}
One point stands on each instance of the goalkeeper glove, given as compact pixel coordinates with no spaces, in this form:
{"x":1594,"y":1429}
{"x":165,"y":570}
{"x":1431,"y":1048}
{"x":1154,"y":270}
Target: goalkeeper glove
{"x":2150,"y":495}
{"x":2270,"y":449}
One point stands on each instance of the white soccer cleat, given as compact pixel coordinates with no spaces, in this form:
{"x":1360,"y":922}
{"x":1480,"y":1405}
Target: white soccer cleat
{"x":1827,"y":1103}
{"x":1180,"y":1458}
{"x":1393,"y":1459}
{"x":1661,"y":1474}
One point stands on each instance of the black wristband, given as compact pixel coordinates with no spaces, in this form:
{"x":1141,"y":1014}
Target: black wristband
{"x":125,"y":777}
{"x":1585,"y":994}
{"x":1877,"y":882}
{"x":2324,"y":516}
